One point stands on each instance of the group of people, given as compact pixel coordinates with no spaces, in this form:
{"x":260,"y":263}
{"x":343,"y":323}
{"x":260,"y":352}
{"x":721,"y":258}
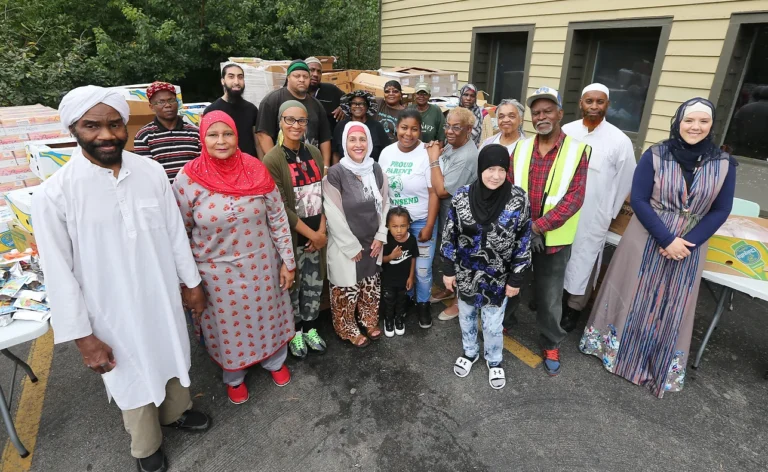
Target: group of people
{"x":240,"y":223}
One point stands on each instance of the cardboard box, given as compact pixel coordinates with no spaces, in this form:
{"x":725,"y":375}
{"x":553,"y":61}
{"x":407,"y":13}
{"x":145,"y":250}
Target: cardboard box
{"x":6,"y":239}
{"x":375,"y":84}
{"x":740,"y":257}
{"x":261,"y":77}
{"x":327,"y":62}
{"x":46,"y":157}
{"x":18,"y":173}
{"x":347,"y":87}
{"x":619,"y":224}
{"x":442,"y":82}
{"x":22,"y":239}
{"x":138,"y":92}
{"x":4,"y":189}
{"x":337,"y":77}
{"x":20,"y":203}
{"x":192,"y":113}
{"x":141,"y":114}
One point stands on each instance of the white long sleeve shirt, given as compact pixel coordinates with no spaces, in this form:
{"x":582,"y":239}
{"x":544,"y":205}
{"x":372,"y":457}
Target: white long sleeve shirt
{"x":114,"y":251}
{"x":609,"y":180}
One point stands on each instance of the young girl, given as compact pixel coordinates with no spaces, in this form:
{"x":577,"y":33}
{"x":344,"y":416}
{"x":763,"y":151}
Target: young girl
{"x":399,"y":266}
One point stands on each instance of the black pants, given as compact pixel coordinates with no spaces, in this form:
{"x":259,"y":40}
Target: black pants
{"x":393,"y":303}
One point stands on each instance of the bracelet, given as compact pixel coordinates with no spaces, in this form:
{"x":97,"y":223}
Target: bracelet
{"x":434,"y":164}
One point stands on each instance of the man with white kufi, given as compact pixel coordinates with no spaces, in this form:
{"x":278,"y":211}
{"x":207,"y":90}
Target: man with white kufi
{"x":113,"y":248}
{"x":609,"y":180}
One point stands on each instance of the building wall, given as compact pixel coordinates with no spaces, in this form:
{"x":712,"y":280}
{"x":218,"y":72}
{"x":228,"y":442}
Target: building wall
{"x":438,"y":34}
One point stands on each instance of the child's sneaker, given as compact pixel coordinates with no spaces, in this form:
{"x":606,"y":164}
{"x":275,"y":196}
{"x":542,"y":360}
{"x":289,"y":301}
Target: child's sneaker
{"x":389,"y":328}
{"x":400,"y":325}
{"x":297,"y":346}
{"x":314,"y":341}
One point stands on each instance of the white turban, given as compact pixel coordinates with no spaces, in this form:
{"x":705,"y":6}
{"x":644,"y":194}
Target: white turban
{"x":596,"y":88}
{"x":77,"y":102}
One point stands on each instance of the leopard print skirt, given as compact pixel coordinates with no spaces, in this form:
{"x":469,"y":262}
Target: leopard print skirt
{"x":364,"y":296}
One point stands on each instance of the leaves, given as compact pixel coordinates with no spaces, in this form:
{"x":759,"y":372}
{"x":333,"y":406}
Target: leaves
{"x":48,"y":47}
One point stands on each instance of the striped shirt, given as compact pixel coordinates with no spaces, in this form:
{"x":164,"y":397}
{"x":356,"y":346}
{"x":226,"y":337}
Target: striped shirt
{"x":170,"y":148}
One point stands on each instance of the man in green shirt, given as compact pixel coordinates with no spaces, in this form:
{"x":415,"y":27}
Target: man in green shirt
{"x":432,"y":119}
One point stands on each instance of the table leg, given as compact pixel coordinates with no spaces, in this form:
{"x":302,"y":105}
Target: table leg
{"x":724,"y":295}
{"x":20,"y":363}
{"x":9,"y":426}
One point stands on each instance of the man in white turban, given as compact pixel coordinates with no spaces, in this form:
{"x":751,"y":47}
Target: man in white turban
{"x":609,"y":180}
{"x":114,"y":248}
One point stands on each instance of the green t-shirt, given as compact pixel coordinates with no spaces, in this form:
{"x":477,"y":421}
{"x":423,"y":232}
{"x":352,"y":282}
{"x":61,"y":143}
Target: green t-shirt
{"x":432,"y":122}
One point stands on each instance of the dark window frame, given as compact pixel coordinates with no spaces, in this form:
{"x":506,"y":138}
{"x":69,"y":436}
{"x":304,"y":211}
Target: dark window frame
{"x":665,"y":25}
{"x":528,"y":28}
{"x":724,"y":66}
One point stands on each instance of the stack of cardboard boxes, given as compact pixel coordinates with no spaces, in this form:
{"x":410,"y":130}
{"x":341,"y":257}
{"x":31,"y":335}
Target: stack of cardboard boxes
{"x":443,"y":83}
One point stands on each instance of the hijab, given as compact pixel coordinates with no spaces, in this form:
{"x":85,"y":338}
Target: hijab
{"x":238,"y":175}
{"x":364,"y":169}
{"x":477,"y":129}
{"x":286,"y":105}
{"x":487,"y":204}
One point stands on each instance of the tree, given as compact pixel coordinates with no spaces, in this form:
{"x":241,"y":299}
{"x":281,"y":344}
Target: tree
{"x":51,"y":46}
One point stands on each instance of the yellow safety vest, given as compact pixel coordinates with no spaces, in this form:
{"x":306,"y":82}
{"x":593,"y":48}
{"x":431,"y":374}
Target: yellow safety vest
{"x":560,"y":175}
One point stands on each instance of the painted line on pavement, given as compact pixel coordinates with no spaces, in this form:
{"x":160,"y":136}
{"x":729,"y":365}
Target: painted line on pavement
{"x":30,"y":407}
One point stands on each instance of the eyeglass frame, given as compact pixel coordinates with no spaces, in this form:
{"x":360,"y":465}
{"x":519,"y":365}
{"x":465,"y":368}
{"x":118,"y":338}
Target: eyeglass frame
{"x":163,"y":103}
{"x":295,"y":120}
{"x":447,"y":127}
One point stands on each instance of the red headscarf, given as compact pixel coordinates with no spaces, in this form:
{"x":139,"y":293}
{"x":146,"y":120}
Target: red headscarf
{"x":239,"y":175}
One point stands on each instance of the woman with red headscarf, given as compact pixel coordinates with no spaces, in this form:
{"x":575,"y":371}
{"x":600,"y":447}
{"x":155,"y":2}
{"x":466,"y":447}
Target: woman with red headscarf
{"x":241,"y":241}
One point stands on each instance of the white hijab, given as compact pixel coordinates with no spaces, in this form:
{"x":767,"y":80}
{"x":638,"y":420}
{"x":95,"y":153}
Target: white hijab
{"x":364,"y":170}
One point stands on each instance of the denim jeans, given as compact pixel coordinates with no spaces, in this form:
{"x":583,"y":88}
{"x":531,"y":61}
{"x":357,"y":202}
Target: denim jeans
{"x":493,"y":337}
{"x":424,"y":261}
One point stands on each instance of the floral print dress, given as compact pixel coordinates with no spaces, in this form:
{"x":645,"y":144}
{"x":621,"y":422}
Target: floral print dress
{"x":239,"y":244}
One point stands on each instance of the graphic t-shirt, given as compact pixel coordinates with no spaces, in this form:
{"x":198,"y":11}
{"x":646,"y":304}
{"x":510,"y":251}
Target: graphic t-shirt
{"x":387,"y":116}
{"x":306,"y":179}
{"x":432,"y":122}
{"x":409,"y":179}
{"x":395,"y":273}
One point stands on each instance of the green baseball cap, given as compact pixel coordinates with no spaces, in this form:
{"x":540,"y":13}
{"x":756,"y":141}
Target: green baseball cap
{"x":423,"y":87}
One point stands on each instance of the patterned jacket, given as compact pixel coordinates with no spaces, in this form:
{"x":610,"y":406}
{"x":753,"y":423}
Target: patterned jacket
{"x":485,"y":259}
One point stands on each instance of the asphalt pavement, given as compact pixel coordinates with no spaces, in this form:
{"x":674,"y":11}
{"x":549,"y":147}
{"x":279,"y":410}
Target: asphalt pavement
{"x":397,"y":406}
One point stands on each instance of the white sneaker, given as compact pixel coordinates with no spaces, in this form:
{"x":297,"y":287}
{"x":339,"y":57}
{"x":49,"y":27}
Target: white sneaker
{"x":443,"y":316}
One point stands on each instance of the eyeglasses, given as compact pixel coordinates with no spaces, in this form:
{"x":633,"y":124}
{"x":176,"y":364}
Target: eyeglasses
{"x":290,"y":121}
{"x":357,"y":104}
{"x":162,"y":103}
{"x":391,"y":91}
{"x":456,"y":129}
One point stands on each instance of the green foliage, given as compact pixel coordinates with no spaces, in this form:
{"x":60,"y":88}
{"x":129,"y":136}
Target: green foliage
{"x":48,"y":47}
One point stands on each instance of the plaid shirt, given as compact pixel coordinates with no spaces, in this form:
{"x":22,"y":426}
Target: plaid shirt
{"x":537,"y":181}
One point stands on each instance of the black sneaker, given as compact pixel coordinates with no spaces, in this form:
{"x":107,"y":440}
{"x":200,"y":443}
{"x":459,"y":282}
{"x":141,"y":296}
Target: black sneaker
{"x":570,"y":319}
{"x":191,"y":420}
{"x":400,"y":325}
{"x":389,"y":328}
{"x":425,"y":315}
{"x":154,"y":463}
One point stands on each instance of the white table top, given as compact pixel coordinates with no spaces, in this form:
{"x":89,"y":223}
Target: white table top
{"x":21,"y":331}
{"x":753,"y":288}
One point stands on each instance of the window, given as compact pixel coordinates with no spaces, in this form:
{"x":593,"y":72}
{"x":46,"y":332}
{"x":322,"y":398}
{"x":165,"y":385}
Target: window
{"x":742,"y":105}
{"x":626,"y":57}
{"x":500,"y":55}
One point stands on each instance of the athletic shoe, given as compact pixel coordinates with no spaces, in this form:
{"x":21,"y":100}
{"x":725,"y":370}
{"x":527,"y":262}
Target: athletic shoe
{"x":298,"y":347}
{"x":425,"y":315}
{"x":400,"y":325}
{"x":154,"y":463}
{"x":389,"y":328}
{"x":191,"y":420}
{"x":314,"y":341}
{"x":239,"y":394}
{"x":281,"y":376}
{"x":552,"y":361}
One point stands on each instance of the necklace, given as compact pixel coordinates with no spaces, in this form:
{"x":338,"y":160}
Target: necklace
{"x":295,"y":157}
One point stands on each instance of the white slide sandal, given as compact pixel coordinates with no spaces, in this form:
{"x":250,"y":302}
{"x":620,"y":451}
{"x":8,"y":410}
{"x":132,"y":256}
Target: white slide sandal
{"x":496,"y":377}
{"x":463,"y":365}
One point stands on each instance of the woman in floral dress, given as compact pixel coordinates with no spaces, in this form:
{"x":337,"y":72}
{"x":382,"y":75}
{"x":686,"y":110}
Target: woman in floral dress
{"x":241,"y":241}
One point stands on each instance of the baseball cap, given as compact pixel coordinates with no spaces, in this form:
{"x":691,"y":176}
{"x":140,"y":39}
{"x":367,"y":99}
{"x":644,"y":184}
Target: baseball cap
{"x":545,"y":92}
{"x":423,"y":87}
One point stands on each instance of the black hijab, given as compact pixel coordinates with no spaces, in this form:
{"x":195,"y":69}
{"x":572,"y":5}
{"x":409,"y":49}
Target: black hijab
{"x":487,"y":204}
{"x":686,"y":155}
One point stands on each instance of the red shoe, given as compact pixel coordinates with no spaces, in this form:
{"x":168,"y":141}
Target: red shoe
{"x":281,"y":376}
{"x":238,"y":395}
{"x":552,"y":361}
